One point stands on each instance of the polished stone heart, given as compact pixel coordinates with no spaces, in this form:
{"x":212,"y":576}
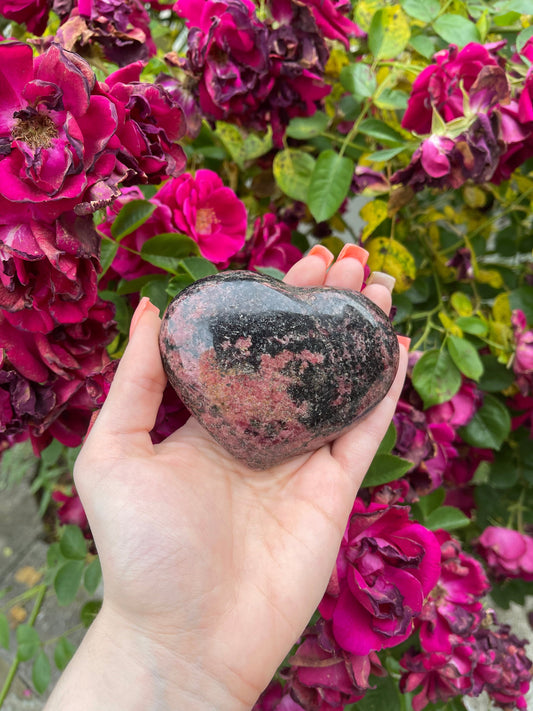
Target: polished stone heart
{"x":272,"y":370}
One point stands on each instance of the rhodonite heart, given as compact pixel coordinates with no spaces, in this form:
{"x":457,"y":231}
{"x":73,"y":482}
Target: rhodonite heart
{"x":272,"y":370}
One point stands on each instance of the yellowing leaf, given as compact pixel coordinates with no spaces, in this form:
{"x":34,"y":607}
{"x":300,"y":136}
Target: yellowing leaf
{"x":373,"y":213}
{"x":501,"y":337}
{"x":501,"y":309}
{"x":389,"y":32}
{"x":491,"y":277}
{"x":365,"y":11}
{"x":450,"y":325}
{"x":388,"y":255}
{"x":336,"y":61}
{"x":474,"y":196}
{"x":461,"y":303}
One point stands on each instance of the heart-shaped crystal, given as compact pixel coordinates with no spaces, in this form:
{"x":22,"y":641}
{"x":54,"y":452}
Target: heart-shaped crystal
{"x":272,"y":370}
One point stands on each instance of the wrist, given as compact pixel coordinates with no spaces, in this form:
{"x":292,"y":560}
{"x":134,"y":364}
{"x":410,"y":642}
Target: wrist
{"x":119,"y":666}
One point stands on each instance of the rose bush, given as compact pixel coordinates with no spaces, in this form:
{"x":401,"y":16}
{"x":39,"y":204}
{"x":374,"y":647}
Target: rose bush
{"x":146,"y":145}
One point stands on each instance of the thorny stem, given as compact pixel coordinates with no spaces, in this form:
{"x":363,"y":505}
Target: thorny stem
{"x":15,"y":664}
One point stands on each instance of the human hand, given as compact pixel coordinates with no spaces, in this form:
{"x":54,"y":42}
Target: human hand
{"x":211,"y":570}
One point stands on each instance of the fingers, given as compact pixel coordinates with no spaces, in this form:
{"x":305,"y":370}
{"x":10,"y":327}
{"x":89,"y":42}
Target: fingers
{"x":355,"y":449}
{"x":311,"y":269}
{"x":137,"y":389}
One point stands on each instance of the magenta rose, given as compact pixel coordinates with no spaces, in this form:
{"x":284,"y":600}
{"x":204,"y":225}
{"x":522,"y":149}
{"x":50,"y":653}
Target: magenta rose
{"x":440,"y":86}
{"x":453,"y":608}
{"x":507,"y":553}
{"x":150,"y":122}
{"x":48,"y":272}
{"x":54,"y":132}
{"x":386,"y":567}
{"x":441,"y":676}
{"x":502,"y":668}
{"x":276,"y":698}
{"x":331,"y":18}
{"x":323,"y":677}
{"x":269,"y":246}
{"x":34,"y":13}
{"x":523,"y":357}
{"x":70,"y":510}
{"x":203,"y":208}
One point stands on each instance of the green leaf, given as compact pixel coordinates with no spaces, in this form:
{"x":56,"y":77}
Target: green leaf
{"x":67,"y":581}
{"x":436,"y":378}
{"x":89,"y":611}
{"x":447,"y":517}
{"x":465,"y":357}
{"x":386,"y":154}
{"x":522,"y":38}
{"x":431,"y":502}
{"x":522,"y":298}
{"x":304,"y":127}
{"x":134,"y":286}
{"x":330,"y":183}
{"x":381,"y":132}
{"x":41,"y":673}
{"x":72,"y":544}
{"x":108,"y":252}
{"x":385,"y":468}
{"x":132,"y":215}
{"x":167,"y":250}
{"x":388,"y":442}
{"x":122,"y":310}
{"x":503,"y":472}
{"x":63,"y":653}
{"x":392,"y":100}
{"x":178,"y":283}
{"x":496,"y":376}
{"x":52,"y":453}
{"x":423,"y":45}
{"x":423,"y":10}
{"x":359,"y":79}
{"x":490,"y":425}
{"x":4,"y":631}
{"x":389,"y":32}
{"x":456,"y":29}
{"x":473,"y":325}
{"x":198,"y":267}
{"x":271,"y":272}
{"x":156,"y":291}
{"x":93,"y":576}
{"x":28,"y":642}
{"x":292,"y":170}
{"x":240,"y":145}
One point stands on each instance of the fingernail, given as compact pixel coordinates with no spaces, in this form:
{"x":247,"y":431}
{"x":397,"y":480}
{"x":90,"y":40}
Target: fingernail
{"x":325,"y":255}
{"x":353,"y":251}
{"x":382,"y":278}
{"x":144,"y":305}
{"x":404,"y":341}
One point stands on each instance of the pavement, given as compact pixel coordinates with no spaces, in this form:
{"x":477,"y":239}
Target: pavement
{"x":22,"y":557}
{"x":23,"y":554}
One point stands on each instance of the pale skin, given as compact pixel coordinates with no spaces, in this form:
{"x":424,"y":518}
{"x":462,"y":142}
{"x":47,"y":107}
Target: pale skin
{"x":211,"y":570}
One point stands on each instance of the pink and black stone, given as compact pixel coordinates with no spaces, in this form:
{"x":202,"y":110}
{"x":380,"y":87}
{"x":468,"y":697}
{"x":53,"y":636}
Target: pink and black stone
{"x":272,"y":370}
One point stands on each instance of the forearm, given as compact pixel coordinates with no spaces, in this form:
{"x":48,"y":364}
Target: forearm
{"x":117,"y":669}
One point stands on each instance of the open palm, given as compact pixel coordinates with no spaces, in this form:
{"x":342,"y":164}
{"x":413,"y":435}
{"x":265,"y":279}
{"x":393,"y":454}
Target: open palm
{"x":216,"y":562}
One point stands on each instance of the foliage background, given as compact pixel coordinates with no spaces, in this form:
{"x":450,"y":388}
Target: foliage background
{"x":446,"y":209}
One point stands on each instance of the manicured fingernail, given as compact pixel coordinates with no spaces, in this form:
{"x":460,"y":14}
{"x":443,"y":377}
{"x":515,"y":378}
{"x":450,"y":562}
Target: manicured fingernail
{"x":404,"y":341}
{"x":353,"y":251}
{"x":144,"y":305}
{"x":325,"y":255}
{"x":382,"y":278}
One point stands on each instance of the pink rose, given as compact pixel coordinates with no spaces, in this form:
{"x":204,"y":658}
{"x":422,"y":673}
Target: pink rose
{"x":203,"y":208}
{"x":386,"y":567}
{"x":507,"y":553}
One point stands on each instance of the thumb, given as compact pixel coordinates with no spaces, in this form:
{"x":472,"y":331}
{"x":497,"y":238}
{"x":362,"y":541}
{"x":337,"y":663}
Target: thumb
{"x":136,"y":392}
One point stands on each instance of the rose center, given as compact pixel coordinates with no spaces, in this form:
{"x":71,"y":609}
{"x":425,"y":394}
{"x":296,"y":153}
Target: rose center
{"x":34,"y":128}
{"x":205,"y":219}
